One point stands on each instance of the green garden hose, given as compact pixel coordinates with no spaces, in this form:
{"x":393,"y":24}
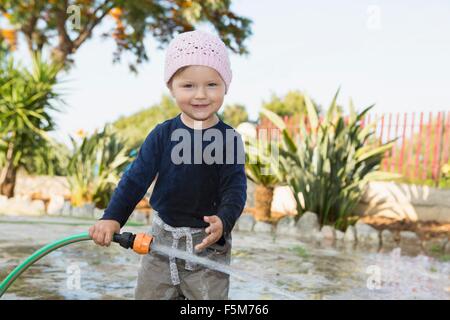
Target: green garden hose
{"x":140,"y":243}
{"x":4,"y":285}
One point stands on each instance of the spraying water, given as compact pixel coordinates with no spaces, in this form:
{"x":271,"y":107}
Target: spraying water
{"x":169,"y":251}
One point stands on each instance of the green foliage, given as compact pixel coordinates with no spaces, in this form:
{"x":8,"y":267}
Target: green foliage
{"x":234,"y":115}
{"x":261,"y":162}
{"x":53,"y":24}
{"x":133,"y":129}
{"x":27,"y":97}
{"x":300,"y":251}
{"x":446,"y":173}
{"x":330,"y":166}
{"x":293,"y":103}
{"x":52,"y":159}
{"x":443,"y":183}
{"x":26,"y":100}
{"x":95,"y":166}
{"x":40,"y":157}
{"x":419,"y":145}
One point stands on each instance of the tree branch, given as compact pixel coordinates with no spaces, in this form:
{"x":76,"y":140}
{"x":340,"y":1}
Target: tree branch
{"x":2,"y":8}
{"x":87,"y":30}
{"x":28,"y":30}
{"x":65,"y":43}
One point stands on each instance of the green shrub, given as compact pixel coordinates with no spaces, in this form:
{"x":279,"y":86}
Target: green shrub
{"x":329,"y":167}
{"x":95,"y":166}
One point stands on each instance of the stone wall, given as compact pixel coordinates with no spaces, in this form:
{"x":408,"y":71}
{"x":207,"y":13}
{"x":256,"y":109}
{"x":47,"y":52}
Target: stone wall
{"x":417,"y":203}
{"x":47,"y":186}
{"x":389,"y":199}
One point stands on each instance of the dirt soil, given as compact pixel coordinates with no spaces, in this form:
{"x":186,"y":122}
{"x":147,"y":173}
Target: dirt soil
{"x":424,"y":229}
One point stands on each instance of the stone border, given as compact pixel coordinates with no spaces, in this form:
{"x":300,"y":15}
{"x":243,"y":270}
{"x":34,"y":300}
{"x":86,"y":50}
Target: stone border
{"x":360,"y":235}
{"x":22,"y":206}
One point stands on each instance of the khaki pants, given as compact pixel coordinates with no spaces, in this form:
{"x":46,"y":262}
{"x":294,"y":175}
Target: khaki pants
{"x":154,"y":276}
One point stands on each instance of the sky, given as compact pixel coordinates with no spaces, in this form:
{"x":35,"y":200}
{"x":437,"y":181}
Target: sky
{"x":395,"y":54}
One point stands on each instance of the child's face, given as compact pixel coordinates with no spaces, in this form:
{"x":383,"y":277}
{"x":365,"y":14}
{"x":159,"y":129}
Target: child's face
{"x":199,"y":92}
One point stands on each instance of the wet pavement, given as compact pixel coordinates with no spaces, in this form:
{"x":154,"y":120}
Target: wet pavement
{"x":300,"y":270}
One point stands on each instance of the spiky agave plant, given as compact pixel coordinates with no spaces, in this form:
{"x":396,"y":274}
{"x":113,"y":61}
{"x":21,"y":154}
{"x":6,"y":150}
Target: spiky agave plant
{"x":95,"y":166}
{"x":330,"y":166}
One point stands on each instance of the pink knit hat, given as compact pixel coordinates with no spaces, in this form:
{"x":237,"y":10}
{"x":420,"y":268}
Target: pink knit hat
{"x":198,"y":48}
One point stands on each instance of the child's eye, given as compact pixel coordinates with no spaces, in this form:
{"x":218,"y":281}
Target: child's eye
{"x":190,"y":85}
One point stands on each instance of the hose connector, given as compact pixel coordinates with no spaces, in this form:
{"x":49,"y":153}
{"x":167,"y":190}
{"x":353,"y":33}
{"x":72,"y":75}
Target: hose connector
{"x":140,"y":242}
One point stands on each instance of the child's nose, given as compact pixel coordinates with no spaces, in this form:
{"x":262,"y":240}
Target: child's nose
{"x":200,"y":92}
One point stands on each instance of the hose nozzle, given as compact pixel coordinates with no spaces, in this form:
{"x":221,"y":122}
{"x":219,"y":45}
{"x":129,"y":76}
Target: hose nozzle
{"x":140,"y":242}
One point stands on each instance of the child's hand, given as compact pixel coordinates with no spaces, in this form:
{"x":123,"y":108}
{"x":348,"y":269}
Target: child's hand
{"x":103,"y":230}
{"x":215,"y":231}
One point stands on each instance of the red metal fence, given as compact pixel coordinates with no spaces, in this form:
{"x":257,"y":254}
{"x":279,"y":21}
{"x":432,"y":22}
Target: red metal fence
{"x":422,"y":146}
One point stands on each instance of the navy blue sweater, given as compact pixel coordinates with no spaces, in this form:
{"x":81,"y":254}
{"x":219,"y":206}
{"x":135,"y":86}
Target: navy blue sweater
{"x":189,"y":189}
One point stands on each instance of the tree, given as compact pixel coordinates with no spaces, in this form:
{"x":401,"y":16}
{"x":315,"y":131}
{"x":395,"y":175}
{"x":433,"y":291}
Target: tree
{"x":26,"y":97}
{"x":64,"y":25}
{"x":234,"y":114}
{"x":133,"y":129}
{"x":293,"y":103}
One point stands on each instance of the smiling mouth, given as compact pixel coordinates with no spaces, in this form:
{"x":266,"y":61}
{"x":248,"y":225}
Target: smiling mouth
{"x":200,"y":105}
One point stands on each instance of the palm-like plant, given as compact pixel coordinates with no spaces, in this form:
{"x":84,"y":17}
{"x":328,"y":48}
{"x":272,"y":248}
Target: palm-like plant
{"x":262,"y":168}
{"x":26,"y":97}
{"x":331,"y":165}
{"x":95,"y":166}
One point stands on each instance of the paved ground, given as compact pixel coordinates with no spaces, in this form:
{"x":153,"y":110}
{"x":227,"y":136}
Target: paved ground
{"x":263,"y":267}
